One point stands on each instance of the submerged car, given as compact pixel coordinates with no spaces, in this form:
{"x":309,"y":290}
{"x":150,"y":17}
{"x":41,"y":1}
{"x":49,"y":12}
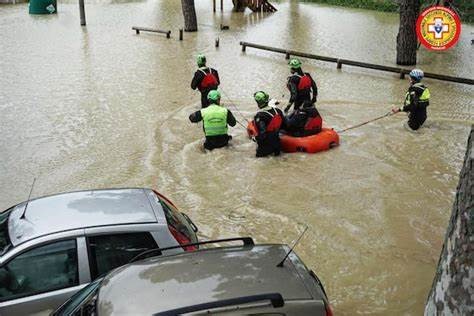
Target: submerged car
{"x":53,"y":246}
{"x":250,"y":279}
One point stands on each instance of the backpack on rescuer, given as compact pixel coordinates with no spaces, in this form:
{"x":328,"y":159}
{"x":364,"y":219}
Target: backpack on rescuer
{"x":274,"y":124}
{"x":208,"y":81}
{"x":305,"y":82}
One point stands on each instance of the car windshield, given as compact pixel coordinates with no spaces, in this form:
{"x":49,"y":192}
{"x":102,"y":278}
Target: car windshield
{"x":5,"y":242}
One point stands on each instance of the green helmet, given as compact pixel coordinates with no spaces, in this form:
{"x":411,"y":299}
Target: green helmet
{"x":262,"y":98}
{"x":294,"y":63}
{"x":201,"y":60}
{"x":214,"y":96}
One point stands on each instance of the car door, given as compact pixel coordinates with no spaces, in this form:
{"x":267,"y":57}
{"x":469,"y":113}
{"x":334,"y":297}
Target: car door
{"x":41,"y":278}
{"x":110,"y":250}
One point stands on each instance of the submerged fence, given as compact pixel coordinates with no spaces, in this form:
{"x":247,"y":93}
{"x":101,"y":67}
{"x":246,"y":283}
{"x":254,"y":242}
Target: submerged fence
{"x":339,"y":61}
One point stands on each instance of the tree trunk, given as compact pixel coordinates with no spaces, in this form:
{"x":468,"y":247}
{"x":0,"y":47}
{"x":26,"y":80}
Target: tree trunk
{"x":240,"y":5}
{"x":406,"y":38}
{"x":189,"y":13}
{"x":452,"y":292}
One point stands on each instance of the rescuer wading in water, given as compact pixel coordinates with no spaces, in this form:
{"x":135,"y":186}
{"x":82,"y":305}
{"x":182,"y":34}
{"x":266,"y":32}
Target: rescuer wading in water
{"x":215,"y":118}
{"x":268,"y":122}
{"x":417,"y":100}
{"x":205,"y":79}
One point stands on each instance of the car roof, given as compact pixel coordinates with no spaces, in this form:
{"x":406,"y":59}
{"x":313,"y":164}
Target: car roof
{"x":80,"y":209}
{"x":163,"y":283}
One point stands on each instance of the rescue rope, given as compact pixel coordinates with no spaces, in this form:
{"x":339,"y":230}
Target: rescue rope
{"x":367,"y":122}
{"x":241,"y":124}
{"x":233,"y":104}
{"x":235,"y":107}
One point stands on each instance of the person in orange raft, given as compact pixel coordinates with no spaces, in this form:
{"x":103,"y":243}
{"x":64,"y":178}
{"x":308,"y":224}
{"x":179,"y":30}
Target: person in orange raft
{"x":267,"y":123}
{"x":304,"y":121}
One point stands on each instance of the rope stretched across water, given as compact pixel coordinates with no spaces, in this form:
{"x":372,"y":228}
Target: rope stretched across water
{"x":241,"y":124}
{"x":233,"y":104}
{"x":366,"y":122}
{"x":235,"y":107}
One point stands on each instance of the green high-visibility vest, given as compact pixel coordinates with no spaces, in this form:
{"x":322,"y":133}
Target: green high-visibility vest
{"x":424,"y":98}
{"x":215,"y":120}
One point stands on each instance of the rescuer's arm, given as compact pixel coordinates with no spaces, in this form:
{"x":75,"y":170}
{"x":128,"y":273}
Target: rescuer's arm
{"x":261,"y":127}
{"x":283,"y":121}
{"x":292,"y":86}
{"x":410,"y":107}
{"x":196,"y":80}
{"x":195,"y":117}
{"x":231,"y":119}
{"x":314,"y":88}
{"x":216,"y":74}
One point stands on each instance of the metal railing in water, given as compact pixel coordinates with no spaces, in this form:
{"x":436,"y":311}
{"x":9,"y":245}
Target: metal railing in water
{"x":339,"y":61}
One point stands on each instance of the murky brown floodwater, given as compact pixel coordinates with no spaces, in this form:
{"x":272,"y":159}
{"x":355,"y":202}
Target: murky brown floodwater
{"x":102,"y":107}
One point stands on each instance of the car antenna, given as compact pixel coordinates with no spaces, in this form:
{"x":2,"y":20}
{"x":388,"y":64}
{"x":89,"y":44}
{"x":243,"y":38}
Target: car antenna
{"x":291,"y":250}
{"x":28,"y":201}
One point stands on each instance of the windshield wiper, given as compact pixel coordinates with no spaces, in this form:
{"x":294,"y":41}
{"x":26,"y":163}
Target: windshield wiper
{"x":275,"y":298}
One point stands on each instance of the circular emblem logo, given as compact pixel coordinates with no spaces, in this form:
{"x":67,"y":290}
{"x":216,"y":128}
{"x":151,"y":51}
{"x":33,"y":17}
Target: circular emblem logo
{"x":438,"y":28}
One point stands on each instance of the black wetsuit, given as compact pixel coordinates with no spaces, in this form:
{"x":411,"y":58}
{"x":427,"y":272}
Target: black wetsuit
{"x":416,"y":102}
{"x":298,"y":97}
{"x":296,"y":121}
{"x":196,"y":82}
{"x":217,"y":141}
{"x":267,"y":142}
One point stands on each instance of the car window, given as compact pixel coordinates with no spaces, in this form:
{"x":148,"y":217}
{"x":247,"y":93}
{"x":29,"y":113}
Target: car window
{"x":81,"y":303}
{"x":178,"y":221}
{"x":42,"y":269}
{"x":5,"y":243}
{"x":108,"y":252}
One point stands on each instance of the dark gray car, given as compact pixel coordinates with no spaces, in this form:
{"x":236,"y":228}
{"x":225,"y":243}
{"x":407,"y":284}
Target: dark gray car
{"x":59,"y":243}
{"x":238,"y":280}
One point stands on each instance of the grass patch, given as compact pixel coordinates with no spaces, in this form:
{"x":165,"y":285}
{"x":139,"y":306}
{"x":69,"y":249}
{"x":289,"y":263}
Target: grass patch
{"x":379,"y":5}
{"x":465,"y":8}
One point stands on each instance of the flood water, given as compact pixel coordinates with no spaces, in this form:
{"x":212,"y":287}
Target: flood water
{"x":101,"y":107}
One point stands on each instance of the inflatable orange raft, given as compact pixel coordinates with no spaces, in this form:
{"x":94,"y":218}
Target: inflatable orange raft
{"x":324,"y":140}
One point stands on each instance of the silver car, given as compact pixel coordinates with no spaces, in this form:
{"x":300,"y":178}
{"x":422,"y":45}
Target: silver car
{"x":237,"y":280}
{"x":53,"y":246}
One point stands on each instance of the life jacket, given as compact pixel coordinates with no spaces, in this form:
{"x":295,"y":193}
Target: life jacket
{"x":305,"y":82}
{"x":209,"y":79}
{"x":215,"y":120}
{"x":314,"y":124}
{"x":424,"y":99}
{"x":275,"y":122}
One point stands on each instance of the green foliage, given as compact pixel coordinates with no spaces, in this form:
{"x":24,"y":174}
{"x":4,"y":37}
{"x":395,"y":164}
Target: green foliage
{"x":465,"y":8}
{"x":379,"y":5}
